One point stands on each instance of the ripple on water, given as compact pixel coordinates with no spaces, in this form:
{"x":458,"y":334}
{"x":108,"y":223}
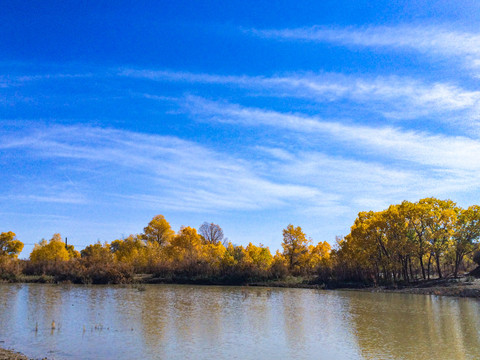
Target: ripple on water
{"x":205,"y":322}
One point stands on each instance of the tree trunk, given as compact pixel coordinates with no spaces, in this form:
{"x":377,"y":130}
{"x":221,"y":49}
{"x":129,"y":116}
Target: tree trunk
{"x":405,"y":270}
{"x":428,"y":266}
{"x":410,"y":266}
{"x":422,"y":266}
{"x":458,"y":260}
{"x":437,"y":258}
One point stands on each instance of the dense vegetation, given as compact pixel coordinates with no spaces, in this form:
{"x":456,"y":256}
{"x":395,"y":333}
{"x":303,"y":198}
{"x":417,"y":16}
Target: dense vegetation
{"x":404,"y":243}
{"x":408,"y":241}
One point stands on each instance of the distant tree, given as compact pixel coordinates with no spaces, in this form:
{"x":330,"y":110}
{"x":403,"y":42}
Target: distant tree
{"x":186,"y":245}
{"x":259,"y":256}
{"x":158,"y":230}
{"x":54,"y":250}
{"x":213,"y":254}
{"x":279,"y":267}
{"x":130,"y":250}
{"x":467,"y":233}
{"x":316,"y":257}
{"x":9,"y":245}
{"x":294,"y":245}
{"x":72,"y":253}
{"x":97,"y":252}
{"x":211,"y":233}
{"x":443,"y":217}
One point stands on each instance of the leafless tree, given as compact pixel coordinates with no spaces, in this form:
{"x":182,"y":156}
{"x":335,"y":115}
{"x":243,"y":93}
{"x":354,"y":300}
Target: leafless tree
{"x":212,"y":233}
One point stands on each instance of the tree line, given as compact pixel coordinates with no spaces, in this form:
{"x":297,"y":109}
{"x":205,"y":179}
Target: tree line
{"x":187,"y":255}
{"x":409,"y":241}
{"x":404,"y":243}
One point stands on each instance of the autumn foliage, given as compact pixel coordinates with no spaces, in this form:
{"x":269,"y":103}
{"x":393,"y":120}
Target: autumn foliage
{"x":404,"y":243}
{"x":185,"y":256}
{"x":408,"y":241}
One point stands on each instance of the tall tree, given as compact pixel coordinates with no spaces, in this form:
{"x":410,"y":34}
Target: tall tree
{"x":9,"y":245}
{"x":130,"y":250}
{"x":211,"y":233}
{"x":158,"y":230}
{"x":399,"y":239}
{"x":467,"y":233}
{"x":294,"y":245}
{"x":418,"y":217}
{"x":442,"y":216}
{"x":186,"y":245}
{"x":53,"y":250}
{"x":97,"y":253}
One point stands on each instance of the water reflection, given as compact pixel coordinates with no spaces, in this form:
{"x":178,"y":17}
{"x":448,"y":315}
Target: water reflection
{"x":415,"y":326}
{"x":194,"y":322}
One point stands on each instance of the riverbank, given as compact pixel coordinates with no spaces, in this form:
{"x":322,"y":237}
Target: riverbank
{"x":466,"y":286}
{"x":11,"y":355}
{"x":461,"y":287}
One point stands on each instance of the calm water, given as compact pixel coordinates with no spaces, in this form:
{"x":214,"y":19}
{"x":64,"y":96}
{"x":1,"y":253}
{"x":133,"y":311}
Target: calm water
{"x":196,"y":322}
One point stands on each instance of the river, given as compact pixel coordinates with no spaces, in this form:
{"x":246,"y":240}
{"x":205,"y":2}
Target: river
{"x":219,"y":322}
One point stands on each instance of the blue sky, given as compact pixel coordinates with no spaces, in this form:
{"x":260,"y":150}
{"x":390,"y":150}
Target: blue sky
{"x":248,"y":114}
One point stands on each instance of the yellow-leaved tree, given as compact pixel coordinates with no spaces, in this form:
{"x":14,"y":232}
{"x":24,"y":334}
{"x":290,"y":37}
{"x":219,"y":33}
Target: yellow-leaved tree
{"x":259,"y":256}
{"x":158,"y":230}
{"x":213,"y":254}
{"x":130,"y":250}
{"x":318,"y":256}
{"x":9,"y":245}
{"x":97,"y":253}
{"x":53,"y":250}
{"x":135,"y":251}
{"x":294,"y":246}
{"x":279,"y":266}
{"x":185,"y":246}
{"x":466,"y":235}
{"x":443,"y":217}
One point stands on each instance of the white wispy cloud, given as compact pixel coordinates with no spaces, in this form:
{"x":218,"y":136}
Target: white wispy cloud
{"x":441,"y":152}
{"x":15,"y":80}
{"x":430,"y":40}
{"x":56,"y":197}
{"x":359,"y":183}
{"x":392,"y":96}
{"x":168,"y":173}
{"x":177,"y":173}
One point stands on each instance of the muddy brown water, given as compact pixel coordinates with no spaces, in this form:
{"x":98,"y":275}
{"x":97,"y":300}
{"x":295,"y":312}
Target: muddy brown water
{"x":219,"y":322}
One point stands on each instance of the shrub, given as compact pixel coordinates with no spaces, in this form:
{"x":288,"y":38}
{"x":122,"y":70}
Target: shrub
{"x":10,"y":269}
{"x":82,"y":271}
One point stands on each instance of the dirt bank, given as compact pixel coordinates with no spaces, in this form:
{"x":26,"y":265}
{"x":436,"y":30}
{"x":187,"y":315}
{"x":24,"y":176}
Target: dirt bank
{"x":466,"y":286}
{"x":11,"y":355}
{"x":463,"y":287}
